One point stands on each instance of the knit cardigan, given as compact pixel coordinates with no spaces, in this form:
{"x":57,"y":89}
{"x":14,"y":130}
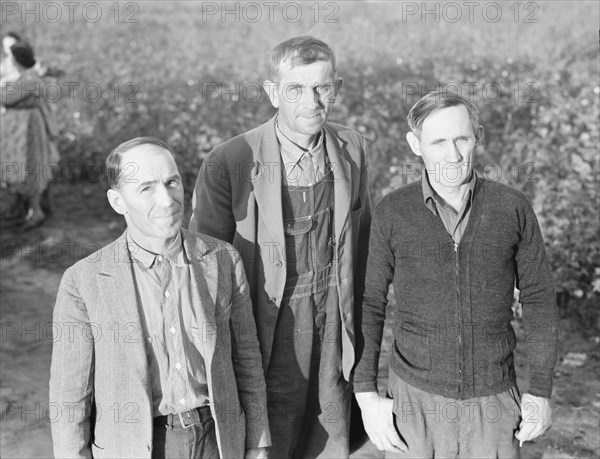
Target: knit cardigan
{"x":452,"y":321}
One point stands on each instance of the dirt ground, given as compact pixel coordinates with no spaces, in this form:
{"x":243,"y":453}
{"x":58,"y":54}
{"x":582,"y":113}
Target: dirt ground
{"x":32,"y":265}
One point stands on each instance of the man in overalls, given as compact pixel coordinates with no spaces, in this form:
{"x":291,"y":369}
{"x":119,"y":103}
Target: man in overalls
{"x":291,"y":195}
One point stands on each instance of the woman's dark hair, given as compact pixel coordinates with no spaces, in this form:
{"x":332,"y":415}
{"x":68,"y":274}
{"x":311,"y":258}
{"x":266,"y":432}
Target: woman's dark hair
{"x":23,"y":54}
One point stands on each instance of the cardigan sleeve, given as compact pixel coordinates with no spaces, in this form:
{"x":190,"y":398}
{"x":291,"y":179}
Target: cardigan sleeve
{"x":538,"y":297}
{"x":379,"y":275}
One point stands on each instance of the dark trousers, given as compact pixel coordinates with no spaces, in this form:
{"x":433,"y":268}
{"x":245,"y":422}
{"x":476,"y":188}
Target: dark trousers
{"x":198,"y":441}
{"x":308,"y":398}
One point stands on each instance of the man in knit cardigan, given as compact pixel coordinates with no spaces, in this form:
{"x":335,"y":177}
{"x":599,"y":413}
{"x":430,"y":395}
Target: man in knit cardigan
{"x":454,"y":245}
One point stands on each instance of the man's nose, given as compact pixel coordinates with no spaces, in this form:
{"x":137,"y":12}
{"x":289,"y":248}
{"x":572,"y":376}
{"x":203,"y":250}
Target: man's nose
{"x":311,"y":98}
{"x":163,"y":196}
{"x":453,"y":153}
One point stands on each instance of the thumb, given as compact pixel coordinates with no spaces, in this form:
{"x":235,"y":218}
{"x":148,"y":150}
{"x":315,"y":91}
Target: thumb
{"x":524,"y":431}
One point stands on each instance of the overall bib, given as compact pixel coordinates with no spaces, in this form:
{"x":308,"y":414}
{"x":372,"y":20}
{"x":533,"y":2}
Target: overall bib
{"x":308,"y":398}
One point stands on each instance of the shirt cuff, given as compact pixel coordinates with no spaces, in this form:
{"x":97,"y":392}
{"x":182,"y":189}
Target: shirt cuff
{"x":369,"y":386}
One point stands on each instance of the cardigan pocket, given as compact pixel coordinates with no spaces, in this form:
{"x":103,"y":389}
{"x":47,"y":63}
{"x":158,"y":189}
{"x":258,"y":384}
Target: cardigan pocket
{"x":501,"y":359}
{"x":413,"y":349}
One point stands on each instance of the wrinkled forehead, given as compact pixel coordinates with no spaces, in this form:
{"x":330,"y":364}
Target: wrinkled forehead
{"x":446,"y":119}
{"x":305,"y":57}
{"x":299,"y":58}
{"x":148,"y":160}
{"x":316,"y":70}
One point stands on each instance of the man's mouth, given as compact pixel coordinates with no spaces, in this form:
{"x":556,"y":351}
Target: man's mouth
{"x":167,"y":216}
{"x":310,"y":117}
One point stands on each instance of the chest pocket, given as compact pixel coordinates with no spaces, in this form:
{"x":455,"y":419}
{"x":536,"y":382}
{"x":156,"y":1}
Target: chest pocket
{"x":308,"y":242}
{"x":297,"y":244}
{"x":297,"y":226}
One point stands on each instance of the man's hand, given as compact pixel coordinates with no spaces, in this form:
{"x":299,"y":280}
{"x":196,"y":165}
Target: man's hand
{"x":536,"y":414}
{"x":378,"y":419}
{"x":256,"y":453}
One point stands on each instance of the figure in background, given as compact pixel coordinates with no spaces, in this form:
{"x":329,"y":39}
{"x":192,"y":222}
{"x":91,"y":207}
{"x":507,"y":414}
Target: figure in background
{"x":28,"y":141}
{"x":8,"y":71}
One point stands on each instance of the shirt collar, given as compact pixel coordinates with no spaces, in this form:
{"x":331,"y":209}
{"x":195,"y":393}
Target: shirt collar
{"x":295,"y":151}
{"x":175,"y":253}
{"x":430,"y":197}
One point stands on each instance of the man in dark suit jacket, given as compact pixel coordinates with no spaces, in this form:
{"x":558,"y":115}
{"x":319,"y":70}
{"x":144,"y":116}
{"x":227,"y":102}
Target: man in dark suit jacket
{"x":291,"y":195}
{"x":162,"y":359}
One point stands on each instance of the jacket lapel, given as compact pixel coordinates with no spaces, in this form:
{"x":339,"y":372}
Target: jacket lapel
{"x":204,"y":288}
{"x":117,"y":293}
{"x":267,"y":183}
{"x":341,"y":183}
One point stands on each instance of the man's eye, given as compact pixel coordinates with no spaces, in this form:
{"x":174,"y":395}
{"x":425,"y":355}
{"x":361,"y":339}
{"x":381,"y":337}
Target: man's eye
{"x":325,"y":89}
{"x":292,"y":92}
{"x":146,"y":188}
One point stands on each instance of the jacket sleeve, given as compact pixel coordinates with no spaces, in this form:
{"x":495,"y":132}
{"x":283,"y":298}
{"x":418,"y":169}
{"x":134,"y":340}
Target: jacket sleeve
{"x":538,"y":297}
{"x":362,"y":249}
{"x":71,"y":373}
{"x":211,"y":203}
{"x":247,"y":362}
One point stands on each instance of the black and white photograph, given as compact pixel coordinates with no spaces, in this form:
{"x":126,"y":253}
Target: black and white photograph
{"x":300,"y":229}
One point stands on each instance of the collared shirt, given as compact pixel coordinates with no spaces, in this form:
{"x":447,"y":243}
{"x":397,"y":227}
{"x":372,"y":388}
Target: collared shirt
{"x":454,"y":222}
{"x":292,"y":153}
{"x":177,"y":370}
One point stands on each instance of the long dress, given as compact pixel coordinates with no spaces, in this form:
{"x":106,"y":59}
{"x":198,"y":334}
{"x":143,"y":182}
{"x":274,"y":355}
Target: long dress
{"x":28,"y":152}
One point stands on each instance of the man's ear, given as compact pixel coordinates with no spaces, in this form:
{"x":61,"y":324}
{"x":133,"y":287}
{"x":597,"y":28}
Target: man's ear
{"x":270,"y":88}
{"x":479,"y":135}
{"x":338,"y":85}
{"x":414,"y":142}
{"x":116,"y":201}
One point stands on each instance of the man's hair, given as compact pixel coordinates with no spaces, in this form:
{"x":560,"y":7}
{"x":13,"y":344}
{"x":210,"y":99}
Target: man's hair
{"x":114,"y":160}
{"x":300,"y":50}
{"x":435,"y":101}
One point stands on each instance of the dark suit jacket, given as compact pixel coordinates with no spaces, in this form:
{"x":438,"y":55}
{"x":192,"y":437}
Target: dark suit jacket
{"x":238,"y":199}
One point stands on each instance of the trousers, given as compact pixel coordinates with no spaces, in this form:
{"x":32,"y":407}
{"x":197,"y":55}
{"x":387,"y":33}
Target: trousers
{"x":198,"y":441}
{"x":436,"y":426}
